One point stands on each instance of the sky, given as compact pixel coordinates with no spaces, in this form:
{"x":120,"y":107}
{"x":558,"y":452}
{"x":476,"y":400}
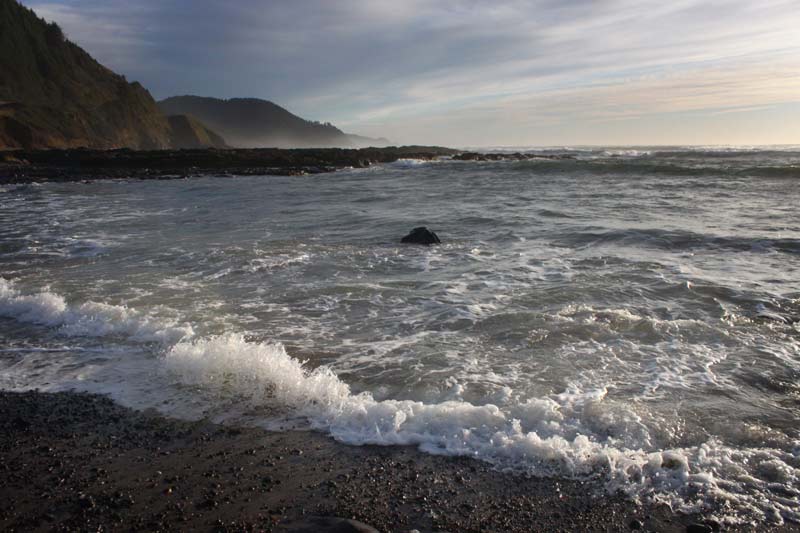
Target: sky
{"x":471,"y":72}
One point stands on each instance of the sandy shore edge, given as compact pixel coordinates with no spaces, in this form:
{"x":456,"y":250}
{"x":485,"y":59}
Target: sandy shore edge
{"x":74,"y":461}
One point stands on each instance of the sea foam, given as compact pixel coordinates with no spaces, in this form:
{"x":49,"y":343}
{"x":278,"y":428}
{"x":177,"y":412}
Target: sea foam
{"x":582,"y":434}
{"x":410,"y":163}
{"x":574,"y":434}
{"x":88,"y":319}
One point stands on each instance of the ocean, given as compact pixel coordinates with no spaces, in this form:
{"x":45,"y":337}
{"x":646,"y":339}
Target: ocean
{"x":627,"y":316}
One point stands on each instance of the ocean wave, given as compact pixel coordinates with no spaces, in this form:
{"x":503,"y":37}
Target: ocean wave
{"x":409,"y":163}
{"x":635,"y":151}
{"x":787,"y":171}
{"x":680,"y":240}
{"x":76,"y":248}
{"x":626,"y":153}
{"x":648,"y":165}
{"x":88,"y":319}
{"x":551,"y":213}
{"x":578,"y":434}
{"x":732,"y":152}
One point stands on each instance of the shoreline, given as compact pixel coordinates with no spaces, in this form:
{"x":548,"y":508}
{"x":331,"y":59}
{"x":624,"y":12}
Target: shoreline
{"x":80,"y":461}
{"x":84,"y":165}
{"x":80,"y":164}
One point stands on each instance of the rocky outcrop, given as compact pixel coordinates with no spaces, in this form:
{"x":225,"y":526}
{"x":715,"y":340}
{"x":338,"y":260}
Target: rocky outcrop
{"x":21,"y":166}
{"x":421,"y":235}
{"x":55,"y":95}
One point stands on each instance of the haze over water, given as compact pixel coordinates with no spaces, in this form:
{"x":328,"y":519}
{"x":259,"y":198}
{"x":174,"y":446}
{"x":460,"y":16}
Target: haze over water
{"x":625,"y":316}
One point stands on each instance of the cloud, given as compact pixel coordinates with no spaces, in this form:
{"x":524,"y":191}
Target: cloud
{"x":397,"y":65}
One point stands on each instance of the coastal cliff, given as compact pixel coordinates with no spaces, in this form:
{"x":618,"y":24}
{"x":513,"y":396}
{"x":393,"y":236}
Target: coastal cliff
{"x":55,"y":95}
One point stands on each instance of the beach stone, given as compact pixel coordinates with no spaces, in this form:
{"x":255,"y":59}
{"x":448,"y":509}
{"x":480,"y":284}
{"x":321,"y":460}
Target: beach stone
{"x":326,"y":524}
{"x":20,"y":424}
{"x":421,"y":235}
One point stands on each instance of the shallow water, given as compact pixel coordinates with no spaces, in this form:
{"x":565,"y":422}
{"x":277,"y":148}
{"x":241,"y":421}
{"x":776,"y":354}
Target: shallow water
{"x":625,"y":316}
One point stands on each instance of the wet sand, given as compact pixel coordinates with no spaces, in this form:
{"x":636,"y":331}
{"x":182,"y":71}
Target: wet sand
{"x":72,"y":461}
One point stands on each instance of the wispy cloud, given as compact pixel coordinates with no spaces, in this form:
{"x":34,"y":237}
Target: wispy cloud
{"x":421,"y":70}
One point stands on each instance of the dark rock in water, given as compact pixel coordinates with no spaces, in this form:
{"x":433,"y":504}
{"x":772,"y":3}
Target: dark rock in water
{"x":421,"y":235}
{"x":324,"y":524}
{"x":468,"y":156}
{"x":516,"y":156}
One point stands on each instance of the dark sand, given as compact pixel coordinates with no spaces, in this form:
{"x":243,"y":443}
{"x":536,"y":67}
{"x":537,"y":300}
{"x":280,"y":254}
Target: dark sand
{"x":80,"y":462}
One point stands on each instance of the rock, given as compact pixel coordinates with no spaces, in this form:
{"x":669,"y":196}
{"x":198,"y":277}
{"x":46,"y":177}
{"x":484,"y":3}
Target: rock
{"x":86,"y":502}
{"x":635,"y":524}
{"x":21,"y":424}
{"x":421,"y":235}
{"x":516,"y":156}
{"x":468,"y":156}
{"x":698,"y":528}
{"x":326,"y":524}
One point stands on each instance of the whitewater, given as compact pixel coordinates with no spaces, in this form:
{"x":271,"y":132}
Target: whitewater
{"x":625,"y":315}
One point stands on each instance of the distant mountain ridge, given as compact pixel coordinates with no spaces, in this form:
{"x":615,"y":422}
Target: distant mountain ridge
{"x":256,"y":123}
{"x":188,"y":132}
{"x":55,"y":95}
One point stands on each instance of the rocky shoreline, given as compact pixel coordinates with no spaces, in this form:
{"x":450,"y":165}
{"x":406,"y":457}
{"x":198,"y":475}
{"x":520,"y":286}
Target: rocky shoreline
{"x":25,"y":166}
{"x":73,"y":461}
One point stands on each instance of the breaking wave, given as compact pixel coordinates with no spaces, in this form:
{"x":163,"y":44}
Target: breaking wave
{"x":577,"y":434}
{"x":89,"y":319}
{"x":410,"y":163}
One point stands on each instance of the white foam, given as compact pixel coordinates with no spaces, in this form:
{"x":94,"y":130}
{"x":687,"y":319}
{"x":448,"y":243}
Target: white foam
{"x":579,"y":433}
{"x":409,"y":163}
{"x":626,"y":153}
{"x":573,"y":434}
{"x":89,"y":319}
{"x":277,"y":262}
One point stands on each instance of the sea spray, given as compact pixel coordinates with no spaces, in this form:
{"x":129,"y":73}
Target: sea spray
{"x":88,"y":319}
{"x":574,"y":434}
{"x":549,"y":436}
